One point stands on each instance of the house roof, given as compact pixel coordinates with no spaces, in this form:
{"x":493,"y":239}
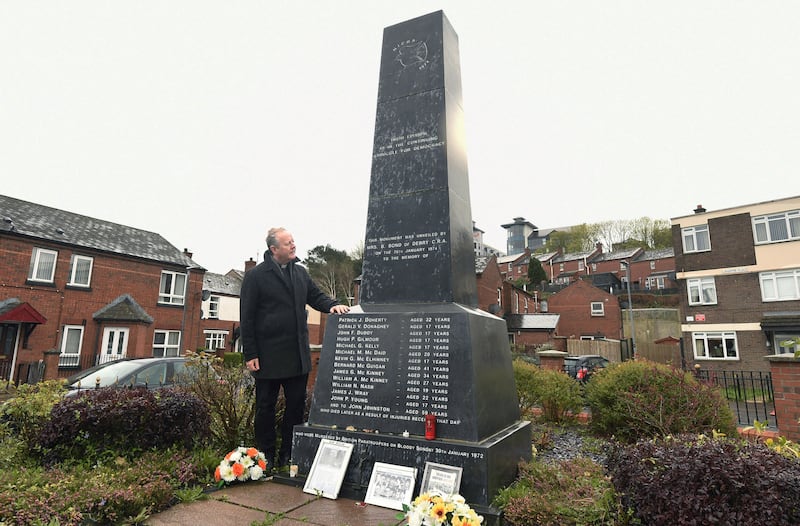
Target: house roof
{"x":628,"y":253}
{"x":12,"y":309}
{"x":222,"y":283}
{"x":511,"y":258}
{"x":573,"y":256}
{"x":532,"y":321}
{"x":124,"y":308}
{"x":658,"y":253}
{"x":36,"y":221}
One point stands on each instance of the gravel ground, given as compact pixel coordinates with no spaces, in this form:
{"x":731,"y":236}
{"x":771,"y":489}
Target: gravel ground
{"x":566,"y":443}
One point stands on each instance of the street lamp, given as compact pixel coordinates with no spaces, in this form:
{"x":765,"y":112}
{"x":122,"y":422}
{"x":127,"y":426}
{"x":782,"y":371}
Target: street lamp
{"x":630,"y":305}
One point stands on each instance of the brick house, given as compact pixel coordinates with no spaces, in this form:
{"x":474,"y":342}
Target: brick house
{"x":739,"y":274}
{"x":515,"y":266}
{"x":574,"y":265}
{"x":587,"y":312}
{"x":91,"y":289}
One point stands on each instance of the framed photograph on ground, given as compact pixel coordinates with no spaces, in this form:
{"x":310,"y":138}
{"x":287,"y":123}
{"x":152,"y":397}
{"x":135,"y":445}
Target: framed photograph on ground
{"x":391,"y":486}
{"x":328,"y":469}
{"x":442,"y":478}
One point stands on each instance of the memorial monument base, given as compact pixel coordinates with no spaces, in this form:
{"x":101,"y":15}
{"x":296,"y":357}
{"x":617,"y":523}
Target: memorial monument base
{"x":487,"y":466}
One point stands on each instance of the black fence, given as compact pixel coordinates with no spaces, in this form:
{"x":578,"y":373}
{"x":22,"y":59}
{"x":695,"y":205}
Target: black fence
{"x":25,"y":373}
{"x":749,"y":393}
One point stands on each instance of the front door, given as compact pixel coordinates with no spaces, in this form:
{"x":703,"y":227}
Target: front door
{"x":115,"y":344}
{"x":8,"y":344}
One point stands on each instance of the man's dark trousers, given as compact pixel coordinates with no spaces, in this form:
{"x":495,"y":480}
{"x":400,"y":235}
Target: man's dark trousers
{"x":294,"y":391}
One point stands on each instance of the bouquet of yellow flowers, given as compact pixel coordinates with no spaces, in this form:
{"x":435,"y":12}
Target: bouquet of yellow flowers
{"x":435,"y":509}
{"x":243,"y":463}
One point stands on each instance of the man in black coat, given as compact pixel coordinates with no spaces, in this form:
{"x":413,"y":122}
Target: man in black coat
{"x":274,"y":333}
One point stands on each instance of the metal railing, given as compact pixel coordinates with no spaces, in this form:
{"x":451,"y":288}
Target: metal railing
{"x":749,"y":393}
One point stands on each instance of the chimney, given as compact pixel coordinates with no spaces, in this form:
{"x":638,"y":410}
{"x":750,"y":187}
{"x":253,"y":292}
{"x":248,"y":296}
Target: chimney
{"x":249,"y":264}
{"x":187,"y":253}
{"x":699,"y":209}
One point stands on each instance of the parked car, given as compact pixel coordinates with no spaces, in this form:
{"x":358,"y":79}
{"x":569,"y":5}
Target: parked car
{"x":152,"y":373}
{"x":582,"y":367}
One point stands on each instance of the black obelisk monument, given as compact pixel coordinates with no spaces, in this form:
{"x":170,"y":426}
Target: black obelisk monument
{"x":420,"y":348}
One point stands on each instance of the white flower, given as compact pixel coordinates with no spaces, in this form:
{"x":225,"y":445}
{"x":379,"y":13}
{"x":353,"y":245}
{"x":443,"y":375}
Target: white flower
{"x":256,"y":472}
{"x":226,"y":472}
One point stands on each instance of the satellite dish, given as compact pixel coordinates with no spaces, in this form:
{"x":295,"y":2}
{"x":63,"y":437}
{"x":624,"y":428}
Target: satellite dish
{"x":206,"y":294}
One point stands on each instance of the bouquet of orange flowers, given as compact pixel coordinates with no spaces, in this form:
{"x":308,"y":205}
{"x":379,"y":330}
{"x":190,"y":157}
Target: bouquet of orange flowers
{"x":243,"y":464}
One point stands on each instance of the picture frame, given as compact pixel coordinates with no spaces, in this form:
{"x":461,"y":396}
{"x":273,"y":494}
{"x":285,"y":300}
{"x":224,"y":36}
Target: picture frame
{"x":328,"y":469}
{"x":441,"y":478}
{"x":391,"y":486}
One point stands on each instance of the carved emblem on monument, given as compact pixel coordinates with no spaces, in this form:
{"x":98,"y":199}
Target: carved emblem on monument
{"x":412,"y":53}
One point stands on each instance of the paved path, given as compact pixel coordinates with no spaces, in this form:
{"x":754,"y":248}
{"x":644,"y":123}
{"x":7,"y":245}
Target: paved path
{"x":269,"y":502}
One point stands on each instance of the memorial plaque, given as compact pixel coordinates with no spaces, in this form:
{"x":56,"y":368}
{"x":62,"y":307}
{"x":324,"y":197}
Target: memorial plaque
{"x":418,"y":348}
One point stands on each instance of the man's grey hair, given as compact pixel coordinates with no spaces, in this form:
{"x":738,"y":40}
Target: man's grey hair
{"x":272,"y":236}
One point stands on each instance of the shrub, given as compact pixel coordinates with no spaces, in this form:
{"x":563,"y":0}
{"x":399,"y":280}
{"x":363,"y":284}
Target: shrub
{"x":112,"y":492}
{"x":123,"y":420}
{"x":563,"y":493}
{"x":557,"y":394}
{"x":29,"y":410}
{"x":642,"y":399}
{"x":229,"y":394}
{"x":692,"y":479}
{"x":525,"y":378}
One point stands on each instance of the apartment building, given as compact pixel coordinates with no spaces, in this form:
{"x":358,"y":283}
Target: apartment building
{"x":738,"y":270}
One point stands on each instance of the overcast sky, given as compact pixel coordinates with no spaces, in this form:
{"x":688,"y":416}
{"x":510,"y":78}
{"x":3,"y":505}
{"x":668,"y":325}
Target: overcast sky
{"x":210,"y":121}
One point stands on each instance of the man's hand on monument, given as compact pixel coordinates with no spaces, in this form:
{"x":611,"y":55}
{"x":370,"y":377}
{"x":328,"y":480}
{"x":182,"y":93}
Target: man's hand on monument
{"x":340,"y":309}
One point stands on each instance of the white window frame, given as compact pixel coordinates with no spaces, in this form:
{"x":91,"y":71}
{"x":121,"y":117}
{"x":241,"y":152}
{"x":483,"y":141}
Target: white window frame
{"x":702,"y":352}
{"x":167,"y":292}
{"x":37,"y":265}
{"x":215,"y":337}
{"x":74,"y":262}
{"x":770,"y":289}
{"x":701,"y":285}
{"x":652,"y":264}
{"x":168,"y":347}
{"x":763,"y":233}
{"x":213,"y":307}
{"x":70,"y":356}
{"x":598,"y":308}
{"x":695,"y":236}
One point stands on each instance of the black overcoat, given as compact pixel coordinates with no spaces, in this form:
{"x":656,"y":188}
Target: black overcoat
{"x":274,"y":325}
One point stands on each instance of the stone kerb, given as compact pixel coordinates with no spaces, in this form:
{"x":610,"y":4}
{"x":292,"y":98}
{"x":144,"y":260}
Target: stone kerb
{"x":552,"y":360}
{"x":786,"y":385}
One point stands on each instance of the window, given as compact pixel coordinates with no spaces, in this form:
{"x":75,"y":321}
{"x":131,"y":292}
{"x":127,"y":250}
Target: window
{"x":213,"y":307}
{"x":702,"y":291}
{"x":173,"y":288}
{"x":166,"y":343}
{"x":655,"y":282}
{"x":598,"y":308}
{"x":215,"y":340}
{"x":561,"y":267}
{"x":787,"y":343}
{"x":696,"y":239}
{"x":652,"y":264}
{"x":71,"y":341}
{"x":43,"y":265}
{"x":594,"y":267}
{"x":499,"y":297}
{"x":780,"y":286}
{"x":80,"y":271}
{"x":777,"y":227}
{"x":715,"y":345}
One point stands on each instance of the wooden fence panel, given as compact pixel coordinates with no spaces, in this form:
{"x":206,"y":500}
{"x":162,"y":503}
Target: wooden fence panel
{"x":608,"y":349}
{"x":667,"y":353}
